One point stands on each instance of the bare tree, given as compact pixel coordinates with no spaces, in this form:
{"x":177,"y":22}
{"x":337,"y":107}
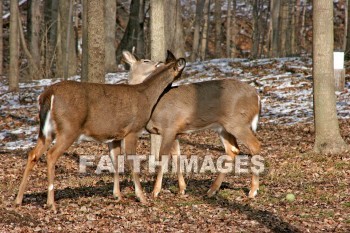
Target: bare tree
{"x":275,"y":7}
{"x":197,"y":26}
{"x":35,"y":19}
{"x":133,"y":35}
{"x":67,"y":59}
{"x":174,"y":34}
{"x":328,"y":138}
{"x":1,"y":40}
{"x":93,"y":65}
{"x":14,"y":47}
{"x":205,"y":30}
{"x":218,"y":28}
{"x":157,"y":52}
{"x":256,"y":29}
{"x":110,"y":7}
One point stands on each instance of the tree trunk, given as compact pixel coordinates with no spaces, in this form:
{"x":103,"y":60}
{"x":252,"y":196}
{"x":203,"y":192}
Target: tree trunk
{"x":347,"y":49}
{"x":275,"y":8}
{"x":110,"y":7}
{"x":328,"y":139}
{"x":67,"y":60}
{"x":93,"y":68}
{"x":14,"y":47}
{"x":256,"y":31}
{"x":174,"y":34}
{"x":36,"y":15}
{"x":157,"y":53}
{"x":283,"y":27}
{"x":196,"y":34}
{"x":218,"y":28}
{"x":205,"y":30}
{"x":1,"y":40}
{"x":132,"y":32}
{"x":228,"y":29}
{"x":140,"y":46}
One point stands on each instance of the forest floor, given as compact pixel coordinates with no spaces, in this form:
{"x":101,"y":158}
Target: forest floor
{"x":321,"y":184}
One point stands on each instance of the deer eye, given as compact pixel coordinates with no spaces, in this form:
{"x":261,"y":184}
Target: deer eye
{"x":146,"y":61}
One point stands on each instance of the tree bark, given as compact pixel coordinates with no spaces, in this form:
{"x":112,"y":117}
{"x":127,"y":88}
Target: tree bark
{"x":93,"y":69}
{"x":36,"y":15}
{"x":218,"y":28}
{"x":256,"y":30}
{"x":328,"y":139}
{"x":157,"y":53}
{"x":67,"y":59}
{"x":174,"y":34}
{"x":133,"y":31}
{"x":205,"y":31}
{"x":197,"y":26}
{"x":14,"y":47}
{"x":1,"y":40}
{"x":110,"y":7}
{"x":275,"y":7}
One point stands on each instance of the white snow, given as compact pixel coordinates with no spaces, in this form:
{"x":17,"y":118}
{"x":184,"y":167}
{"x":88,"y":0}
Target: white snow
{"x":286,"y":96}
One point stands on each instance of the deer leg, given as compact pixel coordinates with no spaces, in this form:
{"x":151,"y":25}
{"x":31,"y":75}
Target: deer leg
{"x":175,"y":153}
{"x":115,"y":150}
{"x":246,"y":136}
{"x":63,"y":142}
{"x":130,"y":149}
{"x":33,"y":157}
{"x":231,"y":149}
{"x":166,"y":145}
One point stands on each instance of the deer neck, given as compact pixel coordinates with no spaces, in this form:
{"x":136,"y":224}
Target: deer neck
{"x":153,"y":87}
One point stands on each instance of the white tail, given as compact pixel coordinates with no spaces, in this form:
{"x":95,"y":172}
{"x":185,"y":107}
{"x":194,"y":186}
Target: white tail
{"x":229,"y":106}
{"x":105,"y":113}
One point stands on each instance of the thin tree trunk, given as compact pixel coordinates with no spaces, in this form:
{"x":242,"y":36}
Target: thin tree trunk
{"x":346,"y":2}
{"x":228,"y":29}
{"x":327,"y":133}
{"x":67,"y":60}
{"x":196,"y":34}
{"x":93,"y":69}
{"x":110,"y":7}
{"x":1,"y":39}
{"x":283,"y":26}
{"x":174,"y":34}
{"x":275,"y":7}
{"x":157,"y":53}
{"x":140,"y":47}
{"x":205,"y":30}
{"x":256,"y":31}
{"x":14,"y":47}
{"x":302,"y":27}
{"x":218,"y":28}
{"x":36,"y":16}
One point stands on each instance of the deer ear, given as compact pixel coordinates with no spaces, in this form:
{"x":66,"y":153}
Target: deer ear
{"x":181,"y":63}
{"x":170,"y":57}
{"x":129,"y":57}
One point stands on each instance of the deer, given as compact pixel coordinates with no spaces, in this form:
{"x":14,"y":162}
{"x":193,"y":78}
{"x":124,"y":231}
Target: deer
{"x":230,"y":107}
{"x":105,"y":113}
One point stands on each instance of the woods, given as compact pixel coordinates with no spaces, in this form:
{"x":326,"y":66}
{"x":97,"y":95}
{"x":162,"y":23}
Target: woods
{"x":246,"y":102}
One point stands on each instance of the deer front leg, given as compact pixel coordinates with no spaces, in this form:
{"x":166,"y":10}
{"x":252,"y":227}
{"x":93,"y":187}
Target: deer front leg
{"x":114,"y":151}
{"x":33,"y":157}
{"x":176,"y":153}
{"x":130,"y":149}
{"x":231,"y":149}
{"x":166,"y":145}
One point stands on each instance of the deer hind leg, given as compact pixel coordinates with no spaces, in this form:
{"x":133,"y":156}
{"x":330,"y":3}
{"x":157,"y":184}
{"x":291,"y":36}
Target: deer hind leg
{"x":114,"y":151}
{"x":130,"y":149}
{"x":165,"y":148}
{"x":231,"y":149}
{"x":63,"y":142}
{"x":247,"y":137}
{"x":175,"y":153}
{"x":33,"y":157}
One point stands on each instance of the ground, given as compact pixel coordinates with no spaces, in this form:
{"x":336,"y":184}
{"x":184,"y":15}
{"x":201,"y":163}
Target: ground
{"x":85,"y":202}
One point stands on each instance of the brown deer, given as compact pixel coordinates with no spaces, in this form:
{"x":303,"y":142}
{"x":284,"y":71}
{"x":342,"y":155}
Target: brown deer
{"x":229,"y":106}
{"x":102,"y":112}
